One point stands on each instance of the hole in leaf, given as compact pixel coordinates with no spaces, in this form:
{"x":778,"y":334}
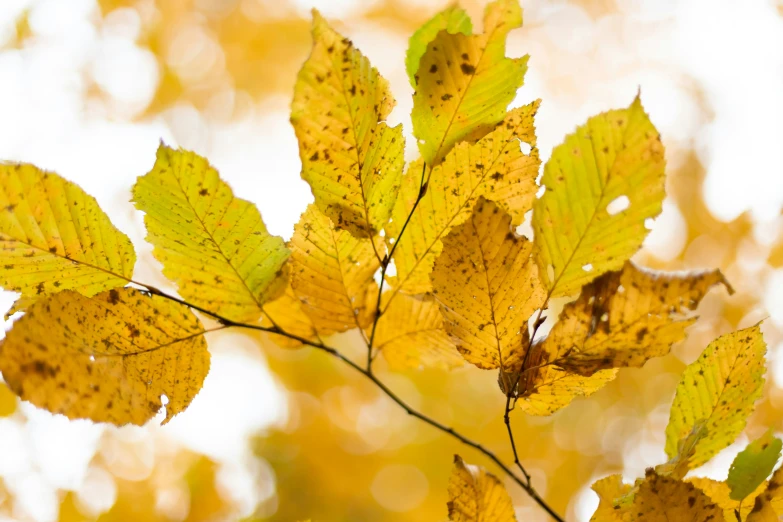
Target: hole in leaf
{"x":621,"y":289}
{"x":648,"y":223}
{"x":525,"y":147}
{"x":587,"y":268}
{"x":618,"y":205}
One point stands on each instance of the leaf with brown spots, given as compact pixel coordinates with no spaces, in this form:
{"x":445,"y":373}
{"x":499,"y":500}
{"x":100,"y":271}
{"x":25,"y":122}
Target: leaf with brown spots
{"x":350,"y":157}
{"x":452,"y":19}
{"x":664,"y":499}
{"x":487,"y":286}
{"x":768,"y":506}
{"x":477,"y":496}
{"x":287,"y":312}
{"x":410,"y":334}
{"x":719,"y":493}
{"x":53,"y":237}
{"x":718,"y":389}
{"x":495,"y":168}
{"x":214,"y":245}
{"x":626,"y":318}
{"x":609,"y":490}
{"x":465,"y":82}
{"x":543,"y":389}
{"x":602,"y":184}
{"x":108,"y":358}
{"x":332,"y":273}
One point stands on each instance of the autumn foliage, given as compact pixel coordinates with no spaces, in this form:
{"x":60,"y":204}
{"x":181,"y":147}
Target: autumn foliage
{"x":425,"y":261}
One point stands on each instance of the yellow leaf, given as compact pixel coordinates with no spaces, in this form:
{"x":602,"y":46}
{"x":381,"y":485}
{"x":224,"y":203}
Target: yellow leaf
{"x":465,"y":83}
{"x":495,"y":168}
{"x":602,"y":183}
{"x":609,"y":489}
{"x":719,"y":389}
{"x":108,"y":358}
{"x":287,"y":312}
{"x":679,"y":465}
{"x":664,"y":499}
{"x":487,"y":287}
{"x":625,"y":318}
{"x":452,"y":19}
{"x":410,"y":334}
{"x":545,"y":389}
{"x":332,"y":273}
{"x":213,"y":245}
{"x":54,"y":237}
{"x":767,"y":507}
{"x":7,"y":400}
{"x":477,"y":496}
{"x":719,"y":493}
{"x":350,"y":157}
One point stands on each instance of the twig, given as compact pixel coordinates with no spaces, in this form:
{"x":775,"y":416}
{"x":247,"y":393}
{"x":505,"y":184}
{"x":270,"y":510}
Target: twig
{"x":367,"y":373}
{"x":385,"y":265}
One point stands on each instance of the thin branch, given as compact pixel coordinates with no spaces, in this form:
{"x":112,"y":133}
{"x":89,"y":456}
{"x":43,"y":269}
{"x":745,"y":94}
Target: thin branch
{"x":514,"y":391}
{"x":387,"y":260}
{"x":367,"y":373}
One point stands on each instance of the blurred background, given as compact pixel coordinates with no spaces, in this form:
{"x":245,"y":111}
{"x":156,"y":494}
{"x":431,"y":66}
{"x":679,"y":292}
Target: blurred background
{"x":89,"y":87}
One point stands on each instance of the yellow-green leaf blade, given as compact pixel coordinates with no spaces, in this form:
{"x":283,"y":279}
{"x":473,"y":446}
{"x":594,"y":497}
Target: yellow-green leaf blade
{"x":495,"y":168}
{"x":477,"y":496}
{"x":465,"y":83}
{"x":452,"y":19}
{"x":332,"y":273}
{"x":487,"y":286}
{"x":627,"y":317}
{"x":214,"y":245}
{"x":350,"y":157}
{"x":410,"y":334}
{"x":720,"y":389}
{"x":108,"y":358}
{"x":602,"y":183}
{"x":53,"y":237}
{"x":753,"y":465}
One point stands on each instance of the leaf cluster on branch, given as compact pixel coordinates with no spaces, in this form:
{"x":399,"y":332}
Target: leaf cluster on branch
{"x":467,"y":288}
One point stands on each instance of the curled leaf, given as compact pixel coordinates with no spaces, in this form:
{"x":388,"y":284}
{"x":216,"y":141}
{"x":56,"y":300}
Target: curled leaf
{"x":626,"y":318}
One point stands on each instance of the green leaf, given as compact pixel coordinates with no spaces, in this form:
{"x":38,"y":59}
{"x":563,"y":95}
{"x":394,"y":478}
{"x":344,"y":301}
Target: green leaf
{"x":213,"y":245}
{"x":452,"y":19}
{"x":753,"y":465}
{"x":718,"y":389}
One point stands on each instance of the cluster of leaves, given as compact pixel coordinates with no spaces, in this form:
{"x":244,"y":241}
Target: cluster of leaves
{"x":465,"y":287}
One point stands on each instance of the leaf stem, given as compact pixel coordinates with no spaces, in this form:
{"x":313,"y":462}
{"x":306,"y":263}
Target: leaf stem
{"x":367,"y":373}
{"x":387,"y":260}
